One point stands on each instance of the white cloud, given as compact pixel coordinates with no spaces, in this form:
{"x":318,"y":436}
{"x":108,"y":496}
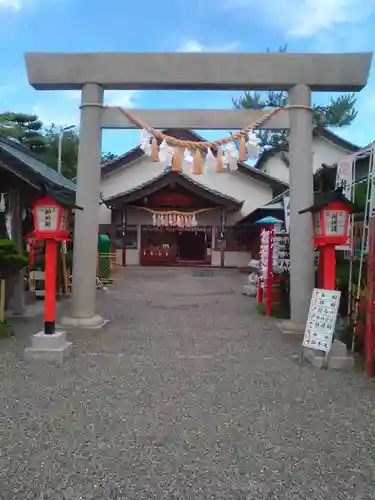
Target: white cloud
{"x":123,"y":98}
{"x":195,"y":46}
{"x":304,"y":18}
{"x":59,"y":115}
{"x":11,"y":4}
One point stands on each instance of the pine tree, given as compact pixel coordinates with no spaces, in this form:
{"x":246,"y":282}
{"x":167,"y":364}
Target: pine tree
{"x":339,"y":112}
{"x":24,"y":128}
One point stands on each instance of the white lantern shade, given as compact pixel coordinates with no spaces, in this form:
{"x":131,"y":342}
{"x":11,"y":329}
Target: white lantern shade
{"x":47,"y":218}
{"x":335,"y":222}
{"x":64,"y":220}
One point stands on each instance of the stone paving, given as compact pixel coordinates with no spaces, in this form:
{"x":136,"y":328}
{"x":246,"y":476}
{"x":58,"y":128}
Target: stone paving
{"x":186,"y":394}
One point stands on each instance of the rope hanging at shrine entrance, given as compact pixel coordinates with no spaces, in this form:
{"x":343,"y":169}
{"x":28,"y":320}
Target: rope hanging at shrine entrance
{"x":173,"y":151}
{"x":174,"y":218}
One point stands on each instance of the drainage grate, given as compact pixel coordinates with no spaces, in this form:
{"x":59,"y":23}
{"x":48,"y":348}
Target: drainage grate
{"x":202,"y":273}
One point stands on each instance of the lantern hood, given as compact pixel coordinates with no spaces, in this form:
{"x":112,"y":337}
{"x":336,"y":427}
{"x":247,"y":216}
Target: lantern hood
{"x":322,"y":200}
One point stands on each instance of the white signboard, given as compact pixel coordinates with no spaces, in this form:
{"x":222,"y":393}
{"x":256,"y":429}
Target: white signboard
{"x":46,"y":218}
{"x":344,"y":176}
{"x":344,"y":179}
{"x":286,"y":200}
{"x":321,"y":321}
{"x":281,"y":255}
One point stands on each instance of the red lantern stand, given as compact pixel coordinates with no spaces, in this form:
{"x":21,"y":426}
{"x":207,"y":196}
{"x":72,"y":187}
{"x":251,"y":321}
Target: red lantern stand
{"x":51,"y":224}
{"x":331,"y":227}
{"x":269,"y":279}
{"x":271,"y":230}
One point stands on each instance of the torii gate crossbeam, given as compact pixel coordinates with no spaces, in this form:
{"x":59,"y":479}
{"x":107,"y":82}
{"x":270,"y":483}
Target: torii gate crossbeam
{"x":299,"y":74}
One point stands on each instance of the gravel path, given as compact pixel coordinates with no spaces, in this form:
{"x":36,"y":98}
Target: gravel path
{"x":186,"y":394}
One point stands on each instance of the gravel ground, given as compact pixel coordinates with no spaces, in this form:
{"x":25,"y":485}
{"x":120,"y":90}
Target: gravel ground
{"x":186,"y":394}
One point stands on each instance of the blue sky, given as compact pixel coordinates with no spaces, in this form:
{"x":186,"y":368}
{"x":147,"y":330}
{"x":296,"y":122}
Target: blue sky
{"x":176,"y":25}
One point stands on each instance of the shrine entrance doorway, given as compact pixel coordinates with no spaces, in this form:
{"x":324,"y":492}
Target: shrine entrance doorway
{"x":191,"y":246}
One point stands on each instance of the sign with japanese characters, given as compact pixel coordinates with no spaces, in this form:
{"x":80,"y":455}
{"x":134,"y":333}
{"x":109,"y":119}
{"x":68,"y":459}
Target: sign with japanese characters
{"x":335,"y":222}
{"x":286,"y":200}
{"x":321,"y":321}
{"x":281,"y":254}
{"x":344,"y":179}
{"x":47,"y":218}
{"x":344,"y":176}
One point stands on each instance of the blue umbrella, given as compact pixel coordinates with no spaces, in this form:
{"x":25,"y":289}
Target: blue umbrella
{"x":268,"y":220}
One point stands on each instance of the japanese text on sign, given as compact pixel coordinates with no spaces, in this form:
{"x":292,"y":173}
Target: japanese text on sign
{"x":47,"y":218}
{"x":321,"y":321}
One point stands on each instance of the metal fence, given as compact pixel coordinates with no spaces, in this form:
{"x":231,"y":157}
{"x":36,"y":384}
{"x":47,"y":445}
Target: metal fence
{"x":107,"y":267}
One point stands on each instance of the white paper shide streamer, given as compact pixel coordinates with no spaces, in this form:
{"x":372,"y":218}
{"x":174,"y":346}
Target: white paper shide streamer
{"x":165,"y":153}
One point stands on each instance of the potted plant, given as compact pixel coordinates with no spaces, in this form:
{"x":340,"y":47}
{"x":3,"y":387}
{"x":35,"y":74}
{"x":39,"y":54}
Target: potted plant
{"x":11,"y":262}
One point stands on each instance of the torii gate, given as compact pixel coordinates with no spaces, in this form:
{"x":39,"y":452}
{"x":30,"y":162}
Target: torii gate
{"x":299,"y":74}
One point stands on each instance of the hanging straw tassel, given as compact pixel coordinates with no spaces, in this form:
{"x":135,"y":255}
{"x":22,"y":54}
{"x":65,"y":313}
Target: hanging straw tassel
{"x":198,"y":164}
{"x":219,"y":160}
{"x":242,"y":149}
{"x":154,"y":150}
{"x":177,"y":160}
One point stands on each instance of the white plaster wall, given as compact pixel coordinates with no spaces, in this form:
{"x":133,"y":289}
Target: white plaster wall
{"x":253,"y":193}
{"x":324,"y":151}
{"x":105,"y":215}
{"x":215,"y":258}
{"x":236,"y":259}
{"x":242,"y":187}
{"x":133,"y":257}
{"x":231,"y":259}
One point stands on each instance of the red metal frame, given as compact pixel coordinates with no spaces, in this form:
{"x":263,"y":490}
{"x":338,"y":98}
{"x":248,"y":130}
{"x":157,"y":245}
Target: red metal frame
{"x":370,"y":313}
{"x":271,"y":231}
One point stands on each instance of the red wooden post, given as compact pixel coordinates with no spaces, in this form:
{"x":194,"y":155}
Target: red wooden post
{"x":321,"y":269}
{"x":329,"y":267}
{"x":269,"y":271}
{"x":50,"y":286}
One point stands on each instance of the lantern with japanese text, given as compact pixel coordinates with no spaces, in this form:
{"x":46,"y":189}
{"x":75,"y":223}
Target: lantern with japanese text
{"x":330,"y":214}
{"x":51,"y":223}
{"x":51,"y":220}
{"x":331,"y":224}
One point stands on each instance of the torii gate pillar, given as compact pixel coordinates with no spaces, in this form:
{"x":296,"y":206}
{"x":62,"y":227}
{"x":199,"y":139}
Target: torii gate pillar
{"x":83,"y":312}
{"x":301,"y":189}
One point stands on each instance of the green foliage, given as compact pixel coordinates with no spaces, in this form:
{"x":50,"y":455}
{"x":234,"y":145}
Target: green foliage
{"x":6,"y":330}
{"x":108,"y":157}
{"x":277,"y":310}
{"x":29,"y":131}
{"x":26,"y":129}
{"x":280,"y":308}
{"x":69,"y":150}
{"x":360,"y":195}
{"x":10,"y":259}
{"x":339,"y":112}
{"x":39,"y":263}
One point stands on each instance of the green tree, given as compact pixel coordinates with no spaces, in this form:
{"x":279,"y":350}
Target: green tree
{"x":30,"y":131}
{"x":339,"y":112}
{"x":26,"y":129}
{"x":69,"y":150}
{"x":108,"y":157}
